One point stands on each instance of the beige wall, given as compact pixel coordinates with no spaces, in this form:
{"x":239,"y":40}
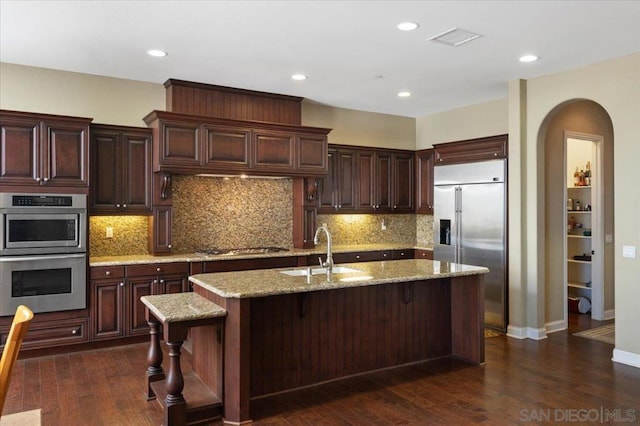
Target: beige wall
{"x":351,"y":127}
{"x":616,"y":87}
{"x":106,"y":100}
{"x":474,"y":121}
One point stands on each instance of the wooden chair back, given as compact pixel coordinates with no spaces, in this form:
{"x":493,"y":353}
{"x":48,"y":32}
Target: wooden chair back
{"x":18,"y":330}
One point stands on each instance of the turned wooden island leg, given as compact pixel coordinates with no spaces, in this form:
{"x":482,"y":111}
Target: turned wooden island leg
{"x":176,"y":407}
{"x":154,"y":356}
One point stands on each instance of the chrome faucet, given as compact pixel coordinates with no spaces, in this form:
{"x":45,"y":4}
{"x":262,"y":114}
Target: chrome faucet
{"x":329,"y":262}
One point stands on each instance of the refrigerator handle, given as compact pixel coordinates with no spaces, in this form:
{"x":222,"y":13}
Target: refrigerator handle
{"x":458,"y":249}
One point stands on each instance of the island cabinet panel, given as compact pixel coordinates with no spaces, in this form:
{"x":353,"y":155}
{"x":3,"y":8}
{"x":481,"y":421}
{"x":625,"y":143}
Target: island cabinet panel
{"x":306,"y":338}
{"x":43,"y":150}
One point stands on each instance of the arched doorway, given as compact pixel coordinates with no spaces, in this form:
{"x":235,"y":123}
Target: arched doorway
{"x":573,"y":117}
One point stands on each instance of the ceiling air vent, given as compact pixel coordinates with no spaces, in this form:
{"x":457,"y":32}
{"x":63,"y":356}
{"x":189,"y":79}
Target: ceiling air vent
{"x":455,"y":37}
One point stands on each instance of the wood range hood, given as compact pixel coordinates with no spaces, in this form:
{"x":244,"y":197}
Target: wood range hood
{"x":215,"y":130}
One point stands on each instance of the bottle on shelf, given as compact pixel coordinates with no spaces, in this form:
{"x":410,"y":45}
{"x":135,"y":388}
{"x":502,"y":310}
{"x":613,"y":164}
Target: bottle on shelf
{"x":576,"y":178}
{"x":587,"y":174}
{"x":577,"y":205}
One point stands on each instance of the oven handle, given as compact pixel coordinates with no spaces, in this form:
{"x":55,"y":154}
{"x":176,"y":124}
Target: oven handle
{"x":45,"y":256}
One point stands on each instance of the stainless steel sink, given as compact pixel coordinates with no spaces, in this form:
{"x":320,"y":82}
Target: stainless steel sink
{"x":318,"y":271}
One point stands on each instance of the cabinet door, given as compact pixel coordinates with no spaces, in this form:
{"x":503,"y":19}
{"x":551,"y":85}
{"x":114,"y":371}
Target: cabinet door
{"x":383,"y":184}
{"x":107,"y":308}
{"x":424,"y":181}
{"x":366,"y":196}
{"x":179,"y":146}
{"x":273,"y":151}
{"x":136,"y":178}
{"x":136,"y":321}
{"x":403,"y":183}
{"x":311,"y":154}
{"x":227,"y":148}
{"x":468,"y":151}
{"x":65,"y":153}
{"x":173,"y":284}
{"x":326,"y":186}
{"x":346,"y":183}
{"x":19,"y":145}
{"x":106,"y":169}
{"x":160,"y":230}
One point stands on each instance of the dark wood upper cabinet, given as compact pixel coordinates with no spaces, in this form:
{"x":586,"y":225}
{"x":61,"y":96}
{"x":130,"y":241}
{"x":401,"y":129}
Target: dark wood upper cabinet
{"x":189,"y":144}
{"x":403,"y":183}
{"x":227,"y":147}
{"x":273,"y":150}
{"x":121,"y":169}
{"x":367,"y":181}
{"x":337,"y":191}
{"x":424,"y":181}
{"x":44,"y":150}
{"x":469,"y":151}
{"x":374,"y":181}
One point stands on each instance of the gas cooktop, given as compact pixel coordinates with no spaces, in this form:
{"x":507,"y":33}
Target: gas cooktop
{"x":242,"y":250}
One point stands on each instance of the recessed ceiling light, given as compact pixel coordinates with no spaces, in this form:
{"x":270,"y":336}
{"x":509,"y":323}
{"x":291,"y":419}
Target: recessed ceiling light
{"x":404,"y":94}
{"x":299,"y":77}
{"x":528,"y":58}
{"x":157,"y":53}
{"x":407,"y":26}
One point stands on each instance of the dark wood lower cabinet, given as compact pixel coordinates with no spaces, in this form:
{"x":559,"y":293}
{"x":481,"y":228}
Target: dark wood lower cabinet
{"x":107,"y":307}
{"x":136,"y":288}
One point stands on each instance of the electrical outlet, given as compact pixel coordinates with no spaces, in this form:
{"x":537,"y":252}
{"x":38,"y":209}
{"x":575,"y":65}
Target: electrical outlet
{"x":629,"y":251}
{"x":608,"y":238}
{"x":109,"y":231}
{"x":383,"y":225}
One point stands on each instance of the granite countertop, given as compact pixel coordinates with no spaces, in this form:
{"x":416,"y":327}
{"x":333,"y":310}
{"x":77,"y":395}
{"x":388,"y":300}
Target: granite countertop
{"x":260,"y":283}
{"x":193,"y":257}
{"x":181,"y":307}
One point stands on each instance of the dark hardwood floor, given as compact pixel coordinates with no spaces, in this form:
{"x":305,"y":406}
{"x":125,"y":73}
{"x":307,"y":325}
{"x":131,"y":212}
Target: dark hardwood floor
{"x":523,"y":380}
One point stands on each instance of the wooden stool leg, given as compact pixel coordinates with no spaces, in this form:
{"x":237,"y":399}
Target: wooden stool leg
{"x":154,"y":356}
{"x":176,"y":407}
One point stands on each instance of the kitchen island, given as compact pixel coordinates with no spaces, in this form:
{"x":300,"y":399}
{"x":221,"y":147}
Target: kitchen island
{"x":291,"y":328}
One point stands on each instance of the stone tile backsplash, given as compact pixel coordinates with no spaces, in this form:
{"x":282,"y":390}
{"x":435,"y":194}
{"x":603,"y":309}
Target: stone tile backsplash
{"x":234,"y":212}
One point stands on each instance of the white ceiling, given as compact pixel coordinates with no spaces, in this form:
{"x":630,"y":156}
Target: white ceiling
{"x":343,"y":46}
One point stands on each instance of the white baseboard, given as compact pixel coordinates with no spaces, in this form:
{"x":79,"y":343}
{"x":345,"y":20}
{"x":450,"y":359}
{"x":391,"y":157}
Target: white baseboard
{"x":609,"y":314}
{"x":624,"y":357}
{"x":553,"y":326}
{"x":526,"y":333}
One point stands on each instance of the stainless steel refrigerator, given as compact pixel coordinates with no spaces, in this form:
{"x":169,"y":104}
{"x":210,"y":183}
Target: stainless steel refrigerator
{"x":470,"y":226}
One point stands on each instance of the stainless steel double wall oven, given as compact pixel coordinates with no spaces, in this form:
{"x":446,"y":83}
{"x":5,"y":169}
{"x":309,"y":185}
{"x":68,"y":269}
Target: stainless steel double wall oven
{"x":43,"y":252}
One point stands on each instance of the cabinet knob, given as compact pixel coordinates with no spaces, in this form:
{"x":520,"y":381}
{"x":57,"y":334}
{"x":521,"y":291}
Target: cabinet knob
{"x":339,"y":206}
{"x":384,"y":255}
{"x":401,"y":253}
{"x":169,"y":246}
{"x":46,"y":179}
{"x":124,"y":206}
{"x":117,"y":206}
{"x":121,"y":284}
{"x":158,"y":269}
{"x":107,"y":273}
{"x":155,"y":281}
{"x":74,"y":331}
{"x":495,"y":154}
{"x":440,"y":159}
{"x":394,"y":206}
{"x":37,"y":179}
{"x":357,"y":256}
{"x":161,"y":281}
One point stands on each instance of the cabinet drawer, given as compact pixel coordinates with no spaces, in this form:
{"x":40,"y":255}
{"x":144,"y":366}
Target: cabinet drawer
{"x":370,"y":256}
{"x":158,"y":268}
{"x":52,"y":333}
{"x":424,"y":254}
{"x":403,"y":254}
{"x":101,"y":272}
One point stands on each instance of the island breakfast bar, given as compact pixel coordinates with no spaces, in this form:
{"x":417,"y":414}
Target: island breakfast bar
{"x":291,"y":328}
